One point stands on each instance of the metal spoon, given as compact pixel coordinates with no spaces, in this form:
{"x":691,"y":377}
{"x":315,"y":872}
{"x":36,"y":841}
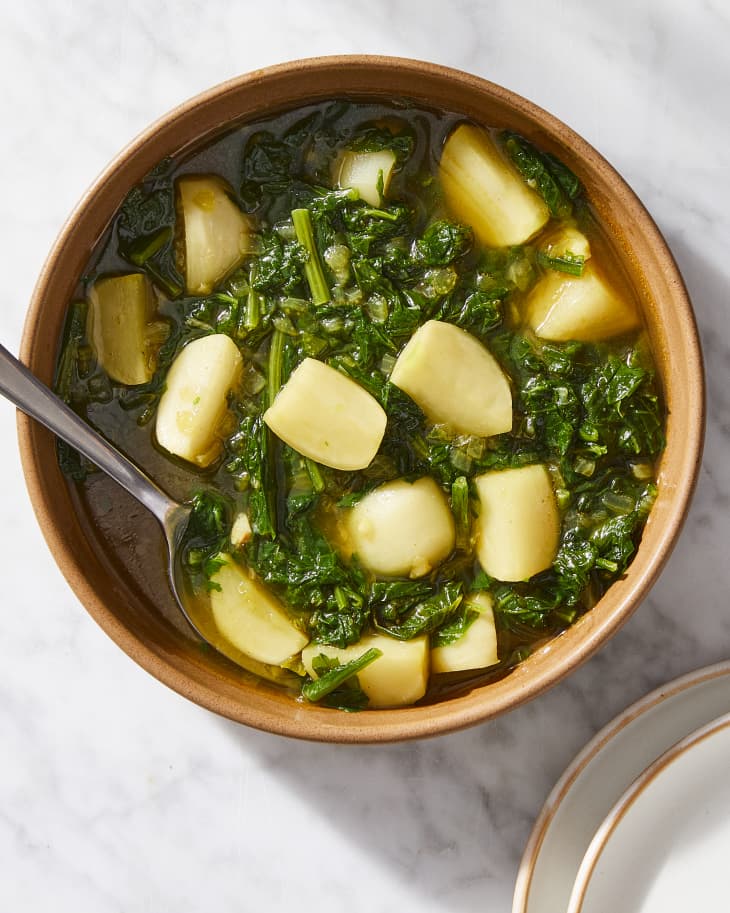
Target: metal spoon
{"x":35,"y":399}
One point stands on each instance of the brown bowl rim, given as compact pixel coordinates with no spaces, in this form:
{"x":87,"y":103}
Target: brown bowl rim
{"x":525,"y":682}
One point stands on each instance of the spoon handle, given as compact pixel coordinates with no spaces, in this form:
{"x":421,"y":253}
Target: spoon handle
{"x":35,"y":399}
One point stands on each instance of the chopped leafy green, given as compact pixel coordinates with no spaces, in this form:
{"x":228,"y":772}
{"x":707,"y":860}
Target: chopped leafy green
{"x":146,"y":228}
{"x":455,"y":628}
{"x":568,"y":181}
{"x":408,"y":609}
{"x":251,"y":463}
{"x":332,"y":676}
{"x":206,"y":537}
{"x":555,"y":183}
{"x":376,"y":139}
{"x":622,"y":407}
{"x":479,"y":312}
{"x":403,"y":442}
{"x":443,"y":242}
{"x":279,"y":266}
{"x":577,"y":397}
{"x":268,"y":164}
{"x":269,"y":169}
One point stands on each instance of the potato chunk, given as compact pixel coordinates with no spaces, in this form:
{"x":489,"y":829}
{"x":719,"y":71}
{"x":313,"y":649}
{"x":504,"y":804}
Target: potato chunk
{"x":367,"y":172}
{"x":217,"y":235}
{"x":483,"y":189}
{"x":327,"y":417}
{"x":518,"y":525}
{"x":584,"y":308}
{"x":455,"y":380}
{"x":477,"y":647}
{"x":251,"y":617}
{"x":241,"y":530}
{"x":402,"y":528}
{"x":395,"y":679}
{"x":567,"y":241}
{"x":194,"y":403}
{"x":120,"y":309}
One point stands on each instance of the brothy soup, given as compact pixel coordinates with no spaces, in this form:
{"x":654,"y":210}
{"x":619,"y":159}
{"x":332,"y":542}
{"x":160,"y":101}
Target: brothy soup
{"x":389,"y":356}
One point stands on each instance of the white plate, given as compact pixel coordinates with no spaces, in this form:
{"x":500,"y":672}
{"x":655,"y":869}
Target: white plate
{"x":599,"y":775}
{"x":664,"y":846}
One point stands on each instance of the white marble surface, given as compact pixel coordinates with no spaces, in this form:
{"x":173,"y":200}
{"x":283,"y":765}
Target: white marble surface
{"x":116,"y":794}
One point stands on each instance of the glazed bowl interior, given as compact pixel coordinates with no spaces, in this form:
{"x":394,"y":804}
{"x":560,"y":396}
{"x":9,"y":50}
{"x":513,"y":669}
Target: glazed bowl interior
{"x":123,"y":604}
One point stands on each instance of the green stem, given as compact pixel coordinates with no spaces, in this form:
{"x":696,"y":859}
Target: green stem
{"x":573,"y":264}
{"x":313,"y":267}
{"x":315,"y":475}
{"x":274,"y":377}
{"x":147,"y":247}
{"x":460,"y":507}
{"x":172,"y":288}
{"x":253,"y":304}
{"x":381,"y":214}
{"x":321,"y":687}
{"x":253,"y":310}
{"x":275,"y":367}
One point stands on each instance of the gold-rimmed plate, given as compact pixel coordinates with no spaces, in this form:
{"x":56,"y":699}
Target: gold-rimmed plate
{"x":599,"y":775}
{"x":663,"y":847}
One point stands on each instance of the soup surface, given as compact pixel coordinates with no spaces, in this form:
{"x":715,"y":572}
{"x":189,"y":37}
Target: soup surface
{"x":391,"y":358}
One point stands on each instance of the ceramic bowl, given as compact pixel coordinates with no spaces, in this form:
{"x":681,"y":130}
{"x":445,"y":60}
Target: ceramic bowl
{"x":151,"y":633}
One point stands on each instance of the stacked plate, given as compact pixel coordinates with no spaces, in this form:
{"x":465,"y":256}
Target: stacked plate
{"x":640,"y":821}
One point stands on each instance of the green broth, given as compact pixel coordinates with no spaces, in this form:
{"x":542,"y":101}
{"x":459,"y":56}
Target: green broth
{"x":591,"y":413}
